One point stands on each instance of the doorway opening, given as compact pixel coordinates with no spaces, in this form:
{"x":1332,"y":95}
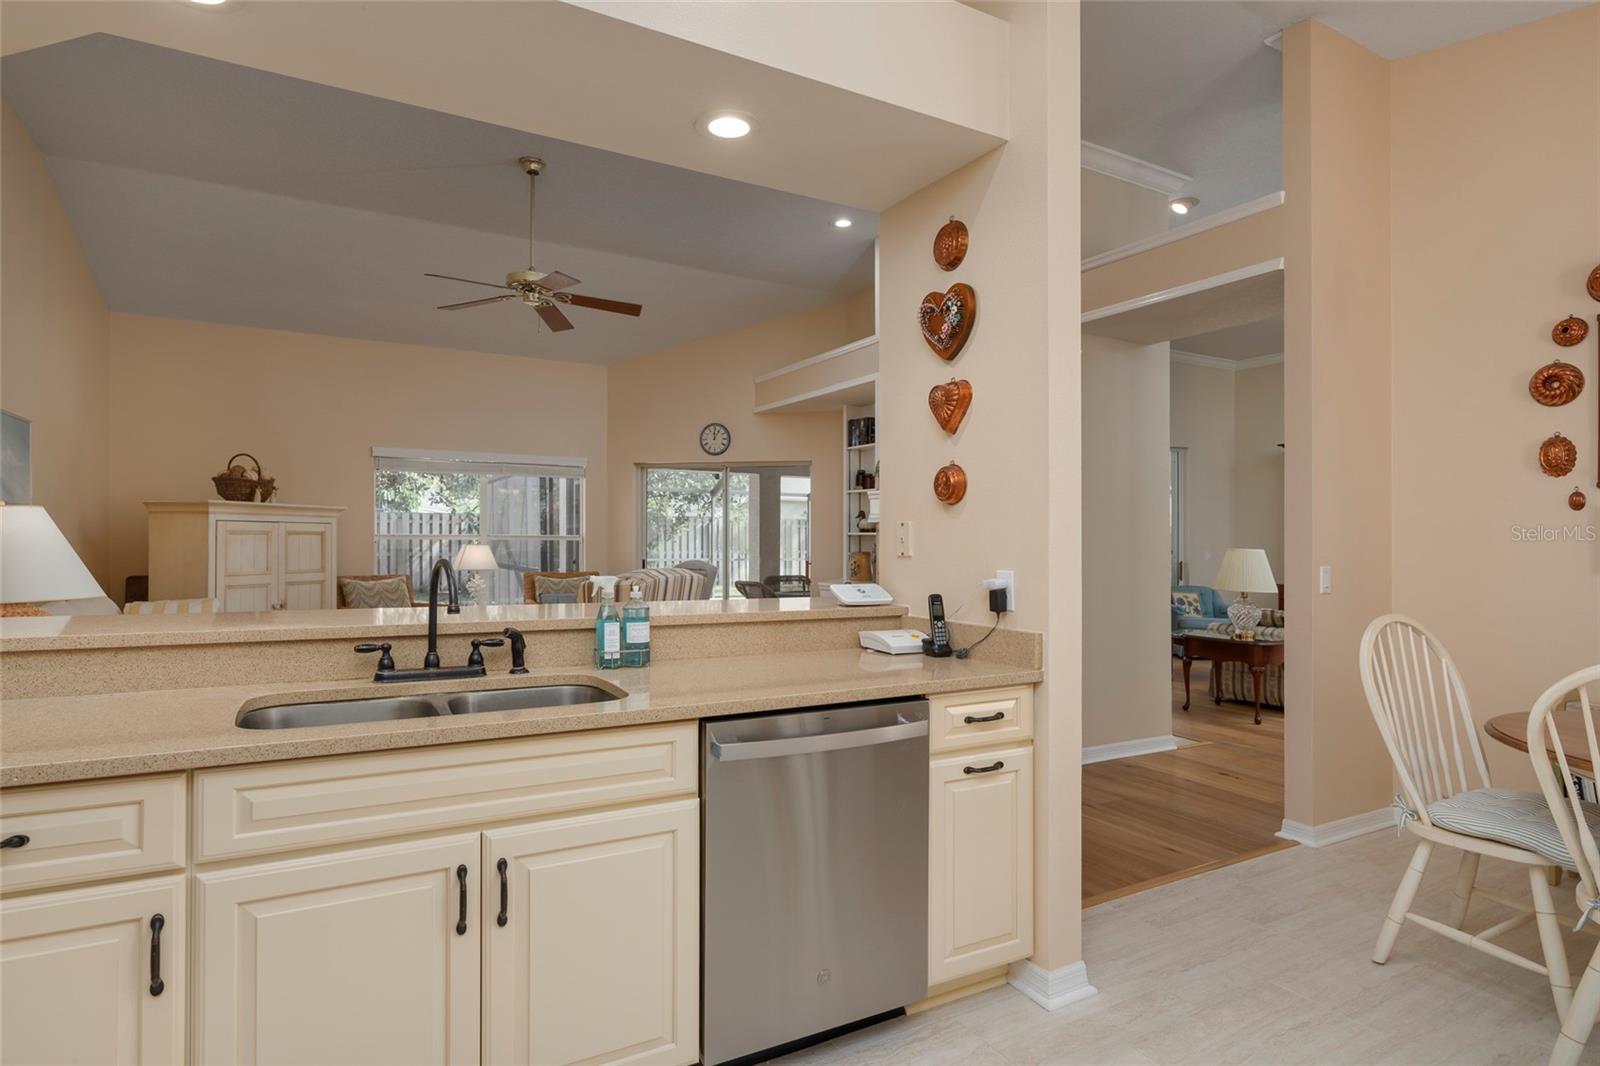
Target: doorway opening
{"x":752,"y":521}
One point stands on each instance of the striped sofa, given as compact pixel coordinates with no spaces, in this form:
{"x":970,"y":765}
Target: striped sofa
{"x":1236,"y":679}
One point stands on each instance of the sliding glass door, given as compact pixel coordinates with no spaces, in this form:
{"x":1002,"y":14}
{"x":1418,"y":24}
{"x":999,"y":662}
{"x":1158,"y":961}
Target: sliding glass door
{"x":752,"y":521}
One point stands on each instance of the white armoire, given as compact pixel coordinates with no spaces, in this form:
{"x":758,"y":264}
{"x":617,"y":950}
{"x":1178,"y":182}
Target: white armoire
{"x":249,"y":556}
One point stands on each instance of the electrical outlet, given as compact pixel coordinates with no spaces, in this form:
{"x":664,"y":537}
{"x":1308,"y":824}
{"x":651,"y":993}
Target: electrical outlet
{"x":1325,"y":580}
{"x":1009,"y":577}
{"x":902,"y":539}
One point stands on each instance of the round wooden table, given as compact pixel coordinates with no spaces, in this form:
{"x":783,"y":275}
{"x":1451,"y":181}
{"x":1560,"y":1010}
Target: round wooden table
{"x":1512,"y":730}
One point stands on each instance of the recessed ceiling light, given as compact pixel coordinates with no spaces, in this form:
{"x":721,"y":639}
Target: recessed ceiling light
{"x":1183,"y":204}
{"x":209,"y":3}
{"x":842,"y":223}
{"x":727,"y":125}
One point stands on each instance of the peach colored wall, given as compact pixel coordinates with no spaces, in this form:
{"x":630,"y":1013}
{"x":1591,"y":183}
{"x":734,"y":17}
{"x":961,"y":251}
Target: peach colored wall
{"x":1258,"y":462}
{"x":851,"y":366}
{"x":658,"y":403}
{"x":1127,"y":675}
{"x":311,"y":408}
{"x":1021,"y":443}
{"x":53,"y":345}
{"x":1336,"y":382}
{"x":1202,"y":423}
{"x":1496,"y":223}
{"x":1117,"y":213}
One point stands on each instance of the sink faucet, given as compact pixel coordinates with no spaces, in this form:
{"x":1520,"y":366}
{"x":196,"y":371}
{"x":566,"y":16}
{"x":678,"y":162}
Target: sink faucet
{"x":431,"y":660}
{"x":431,"y":670}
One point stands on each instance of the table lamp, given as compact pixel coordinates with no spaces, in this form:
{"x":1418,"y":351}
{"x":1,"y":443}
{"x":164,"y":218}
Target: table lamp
{"x":1245,"y":570}
{"x":473,"y":560}
{"x":37,"y":564}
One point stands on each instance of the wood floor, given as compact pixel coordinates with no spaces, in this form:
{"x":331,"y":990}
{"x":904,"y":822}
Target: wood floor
{"x":1155,"y":818}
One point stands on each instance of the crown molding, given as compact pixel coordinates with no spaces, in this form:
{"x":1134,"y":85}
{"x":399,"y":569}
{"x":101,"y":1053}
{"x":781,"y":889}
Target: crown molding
{"x":1260,"y":360}
{"x":1188,"y":229}
{"x":1114,"y":164}
{"x":1266,"y":266}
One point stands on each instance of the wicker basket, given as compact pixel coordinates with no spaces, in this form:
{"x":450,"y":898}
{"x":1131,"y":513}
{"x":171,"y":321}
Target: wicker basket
{"x":234,"y":483}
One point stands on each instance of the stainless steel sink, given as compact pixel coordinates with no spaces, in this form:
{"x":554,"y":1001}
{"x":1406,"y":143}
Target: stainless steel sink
{"x":342,"y":712}
{"x":521,"y":699}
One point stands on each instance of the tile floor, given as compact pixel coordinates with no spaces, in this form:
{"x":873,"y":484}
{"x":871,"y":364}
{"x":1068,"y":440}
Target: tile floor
{"x":1267,"y":961}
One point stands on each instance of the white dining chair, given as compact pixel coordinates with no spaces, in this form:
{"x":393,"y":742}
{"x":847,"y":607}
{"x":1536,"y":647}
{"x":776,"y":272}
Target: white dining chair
{"x":1446,"y":798}
{"x":1578,"y":822}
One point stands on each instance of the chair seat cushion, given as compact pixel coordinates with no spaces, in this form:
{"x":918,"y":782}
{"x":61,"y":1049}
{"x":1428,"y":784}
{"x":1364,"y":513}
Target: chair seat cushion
{"x":1508,"y":816}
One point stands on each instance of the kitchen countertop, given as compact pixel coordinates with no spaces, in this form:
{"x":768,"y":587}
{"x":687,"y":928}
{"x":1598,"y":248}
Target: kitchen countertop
{"x":72,"y":738}
{"x":72,"y":632}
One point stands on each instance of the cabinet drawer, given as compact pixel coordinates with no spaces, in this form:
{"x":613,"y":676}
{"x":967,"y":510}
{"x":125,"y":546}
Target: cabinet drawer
{"x":97,"y":829}
{"x":960,"y":720}
{"x":282,"y":806}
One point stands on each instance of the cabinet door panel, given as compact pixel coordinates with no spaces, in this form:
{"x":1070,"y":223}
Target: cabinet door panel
{"x":75,"y":968}
{"x":351,"y":957}
{"x":247,"y":565}
{"x":307,"y":566}
{"x":980,"y":857}
{"x":599,"y":959}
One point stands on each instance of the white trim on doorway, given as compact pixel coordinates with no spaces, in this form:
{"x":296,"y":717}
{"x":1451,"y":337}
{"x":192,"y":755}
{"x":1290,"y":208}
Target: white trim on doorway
{"x":1340,"y":829}
{"x":1127,"y":749}
{"x":1140,"y":172}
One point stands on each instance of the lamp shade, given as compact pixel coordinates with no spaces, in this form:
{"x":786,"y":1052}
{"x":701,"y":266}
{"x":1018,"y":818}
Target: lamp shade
{"x":37,"y":563}
{"x":1246,"y":570}
{"x":476,"y":557}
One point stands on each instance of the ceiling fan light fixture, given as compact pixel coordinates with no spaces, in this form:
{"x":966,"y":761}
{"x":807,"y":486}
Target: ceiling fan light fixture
{"x":1182,"y":205}
{"x":727,"y":125}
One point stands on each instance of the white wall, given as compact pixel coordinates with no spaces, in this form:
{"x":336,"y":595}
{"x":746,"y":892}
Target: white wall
{"x":1202,"y":423}
{"x":1258,"y":461}
{"x":1117,"y":213}
{"x":1127,"y":688}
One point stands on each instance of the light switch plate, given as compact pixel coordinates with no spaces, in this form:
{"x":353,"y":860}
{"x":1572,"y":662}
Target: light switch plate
{"x":902,"y":539}
{"x":1325,"y":580}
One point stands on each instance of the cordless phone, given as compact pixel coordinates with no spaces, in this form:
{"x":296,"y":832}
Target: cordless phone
{"x":938,"y":645}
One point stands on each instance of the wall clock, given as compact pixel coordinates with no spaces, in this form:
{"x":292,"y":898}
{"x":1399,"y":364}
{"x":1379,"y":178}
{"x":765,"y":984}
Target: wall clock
{"x":715,"y":439}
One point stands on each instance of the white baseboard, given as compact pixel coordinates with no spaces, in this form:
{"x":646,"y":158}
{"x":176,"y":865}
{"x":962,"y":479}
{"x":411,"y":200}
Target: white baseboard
{"x":1319,"y":836}
{"x":1125,"y":749}
{"x":1051,"y":989}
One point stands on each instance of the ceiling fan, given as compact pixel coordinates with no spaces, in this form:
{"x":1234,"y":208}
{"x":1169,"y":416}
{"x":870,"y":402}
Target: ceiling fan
{"x":541,"y":291}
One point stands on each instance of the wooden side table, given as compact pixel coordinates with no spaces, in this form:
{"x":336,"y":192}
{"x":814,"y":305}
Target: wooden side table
{"x":1255,"y":654}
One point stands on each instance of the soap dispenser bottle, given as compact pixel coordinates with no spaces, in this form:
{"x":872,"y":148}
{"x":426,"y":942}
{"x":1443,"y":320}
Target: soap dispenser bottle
{"x":636,"y":630}
{"x":607,"y":627}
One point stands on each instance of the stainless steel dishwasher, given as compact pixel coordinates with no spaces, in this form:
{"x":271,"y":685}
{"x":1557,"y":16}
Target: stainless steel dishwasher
{"x":814,"y":848}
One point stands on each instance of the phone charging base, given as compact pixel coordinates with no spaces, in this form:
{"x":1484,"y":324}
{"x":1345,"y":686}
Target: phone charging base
{"x":931,"y":652}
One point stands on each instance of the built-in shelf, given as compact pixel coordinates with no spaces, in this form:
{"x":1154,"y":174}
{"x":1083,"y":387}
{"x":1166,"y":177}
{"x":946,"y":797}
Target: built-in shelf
{"x":858,"y":533}
{"x":861,"y":492}
{"x":861,"y":447}
{"x":859,"y":459}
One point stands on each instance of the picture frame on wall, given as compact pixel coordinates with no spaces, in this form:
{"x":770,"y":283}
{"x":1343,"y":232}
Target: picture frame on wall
{"x":16,"y":458}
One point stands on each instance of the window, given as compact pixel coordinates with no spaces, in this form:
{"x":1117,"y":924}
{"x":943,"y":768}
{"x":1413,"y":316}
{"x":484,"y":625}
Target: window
{"x":752,"y":522}
{"x":427,"y":506}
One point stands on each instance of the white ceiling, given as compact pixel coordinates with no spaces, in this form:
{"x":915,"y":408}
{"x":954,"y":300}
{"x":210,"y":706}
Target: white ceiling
{"x":203,"y":189}
{"x":1190,"y":85}
{"x":1252,"y":340}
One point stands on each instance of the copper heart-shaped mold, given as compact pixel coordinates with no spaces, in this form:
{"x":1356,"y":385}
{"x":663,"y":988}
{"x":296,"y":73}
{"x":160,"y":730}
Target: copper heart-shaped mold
{"x":946,"y":319}
{"x":949,"y":403}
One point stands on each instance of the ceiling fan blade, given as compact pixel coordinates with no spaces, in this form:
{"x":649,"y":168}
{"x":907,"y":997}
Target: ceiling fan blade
{"x":577,"y":299}
{"x":476,"y":303}
{"x":557,"y":280}
{"x":554,"y":318}
{"x":469,"y":281}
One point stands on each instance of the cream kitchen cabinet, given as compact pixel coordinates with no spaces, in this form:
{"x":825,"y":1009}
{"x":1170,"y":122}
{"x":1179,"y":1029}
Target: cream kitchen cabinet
{"x":980,"y":858}
{"x":368,"y":955}
{"x":593,"y":950}
{"x":94,"y":975}
{"x":249,"y":556}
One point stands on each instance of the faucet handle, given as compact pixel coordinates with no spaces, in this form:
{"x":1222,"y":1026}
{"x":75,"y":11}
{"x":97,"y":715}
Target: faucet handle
{"x":385,"y":660}
{"x":476,"y":658}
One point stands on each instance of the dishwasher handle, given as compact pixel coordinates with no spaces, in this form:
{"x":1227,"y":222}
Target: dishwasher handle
{"x":856,"y":738}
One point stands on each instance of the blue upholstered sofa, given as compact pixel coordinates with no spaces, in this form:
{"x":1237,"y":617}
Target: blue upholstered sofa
{"x":1213,"y":608}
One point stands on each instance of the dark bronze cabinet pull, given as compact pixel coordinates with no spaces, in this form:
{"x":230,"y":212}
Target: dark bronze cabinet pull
{"x":157,"y":985}
{"x":998,"y":765}
{"x":973,"y":719}
{"x":20,"y":840}
{"x":461,"y":879}
{"x":505,"y":902}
